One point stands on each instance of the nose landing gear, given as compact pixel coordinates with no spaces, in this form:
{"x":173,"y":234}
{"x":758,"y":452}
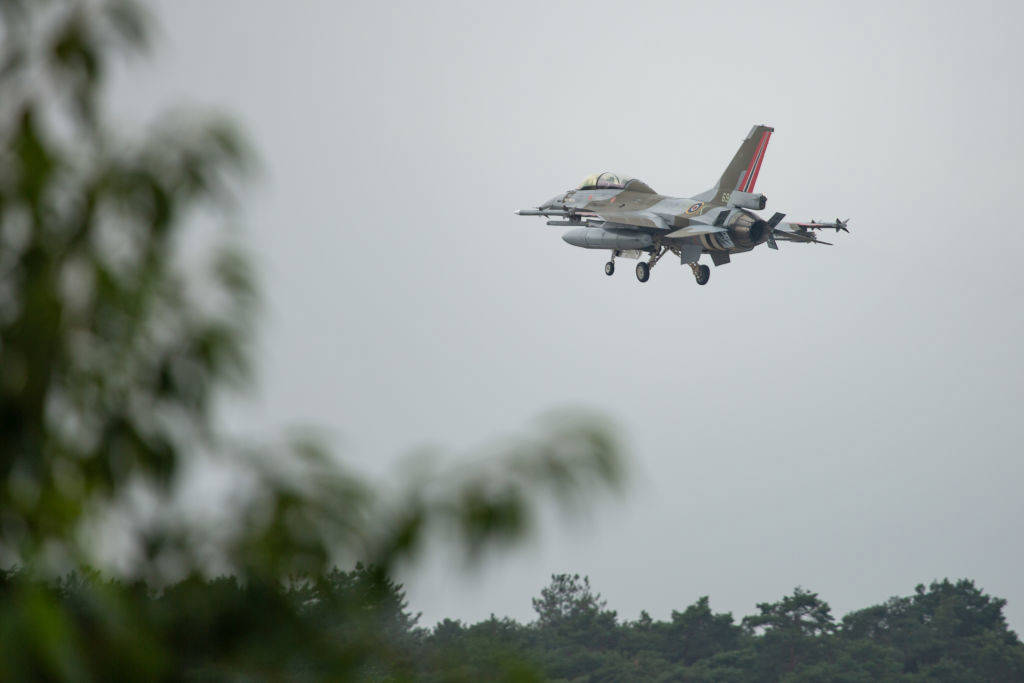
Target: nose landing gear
{"x":643,"y":270}
{"x":609,"y":268}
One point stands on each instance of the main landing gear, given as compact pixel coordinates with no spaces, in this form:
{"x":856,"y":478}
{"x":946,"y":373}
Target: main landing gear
{"x":643,"y":268}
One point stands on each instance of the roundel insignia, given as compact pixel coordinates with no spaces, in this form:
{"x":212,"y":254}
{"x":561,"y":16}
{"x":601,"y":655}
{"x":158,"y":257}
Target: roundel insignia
{"x":694,"y":208}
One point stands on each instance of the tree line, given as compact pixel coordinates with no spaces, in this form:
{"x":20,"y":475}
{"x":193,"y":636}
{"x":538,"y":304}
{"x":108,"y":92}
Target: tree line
{"x":359,"y":622}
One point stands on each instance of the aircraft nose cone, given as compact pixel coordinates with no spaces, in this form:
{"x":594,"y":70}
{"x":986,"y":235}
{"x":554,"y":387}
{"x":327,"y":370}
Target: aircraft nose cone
{"x":554,"y":202}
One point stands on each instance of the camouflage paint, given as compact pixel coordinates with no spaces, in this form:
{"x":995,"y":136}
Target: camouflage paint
{"x":723,"y":229}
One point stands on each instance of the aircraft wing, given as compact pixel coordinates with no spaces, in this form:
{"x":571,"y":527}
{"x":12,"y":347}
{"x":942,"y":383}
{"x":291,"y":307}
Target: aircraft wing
{"x":692,"y":230}
{"x":644,"y":221}
{"x":641,"y":221}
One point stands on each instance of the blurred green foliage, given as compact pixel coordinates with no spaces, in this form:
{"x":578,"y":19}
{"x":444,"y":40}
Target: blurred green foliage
{"x":109,"y":354}
{"x":113,"y":350}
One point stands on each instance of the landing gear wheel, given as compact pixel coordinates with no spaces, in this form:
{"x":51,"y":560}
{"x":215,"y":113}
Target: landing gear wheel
{"x":609,"y":268}
{"x":703,"y":274}
{"x":643,"y":272}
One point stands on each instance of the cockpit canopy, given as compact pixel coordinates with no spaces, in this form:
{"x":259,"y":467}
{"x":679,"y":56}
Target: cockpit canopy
{"x":614,"y":181}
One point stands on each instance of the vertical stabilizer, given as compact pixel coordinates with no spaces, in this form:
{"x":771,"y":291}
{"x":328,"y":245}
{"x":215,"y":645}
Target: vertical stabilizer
{"x":741,"y":173}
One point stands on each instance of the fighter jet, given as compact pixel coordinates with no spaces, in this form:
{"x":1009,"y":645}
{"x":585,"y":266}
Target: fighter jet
{"x":625,"y":216}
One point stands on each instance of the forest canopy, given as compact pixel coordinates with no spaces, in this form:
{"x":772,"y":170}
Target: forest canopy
{"x":360,"y":623}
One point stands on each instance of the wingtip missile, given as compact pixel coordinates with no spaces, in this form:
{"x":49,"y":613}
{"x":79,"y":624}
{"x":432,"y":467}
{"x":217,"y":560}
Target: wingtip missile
{"x":837,"y":225}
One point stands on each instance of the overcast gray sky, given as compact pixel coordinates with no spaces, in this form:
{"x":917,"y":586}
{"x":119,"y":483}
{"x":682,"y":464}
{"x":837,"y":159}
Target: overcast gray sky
{"x":847,"y":419}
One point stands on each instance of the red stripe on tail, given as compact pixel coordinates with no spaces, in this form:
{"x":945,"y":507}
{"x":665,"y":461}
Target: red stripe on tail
{"x":755,"y":164}
{"x":757,"y":169}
